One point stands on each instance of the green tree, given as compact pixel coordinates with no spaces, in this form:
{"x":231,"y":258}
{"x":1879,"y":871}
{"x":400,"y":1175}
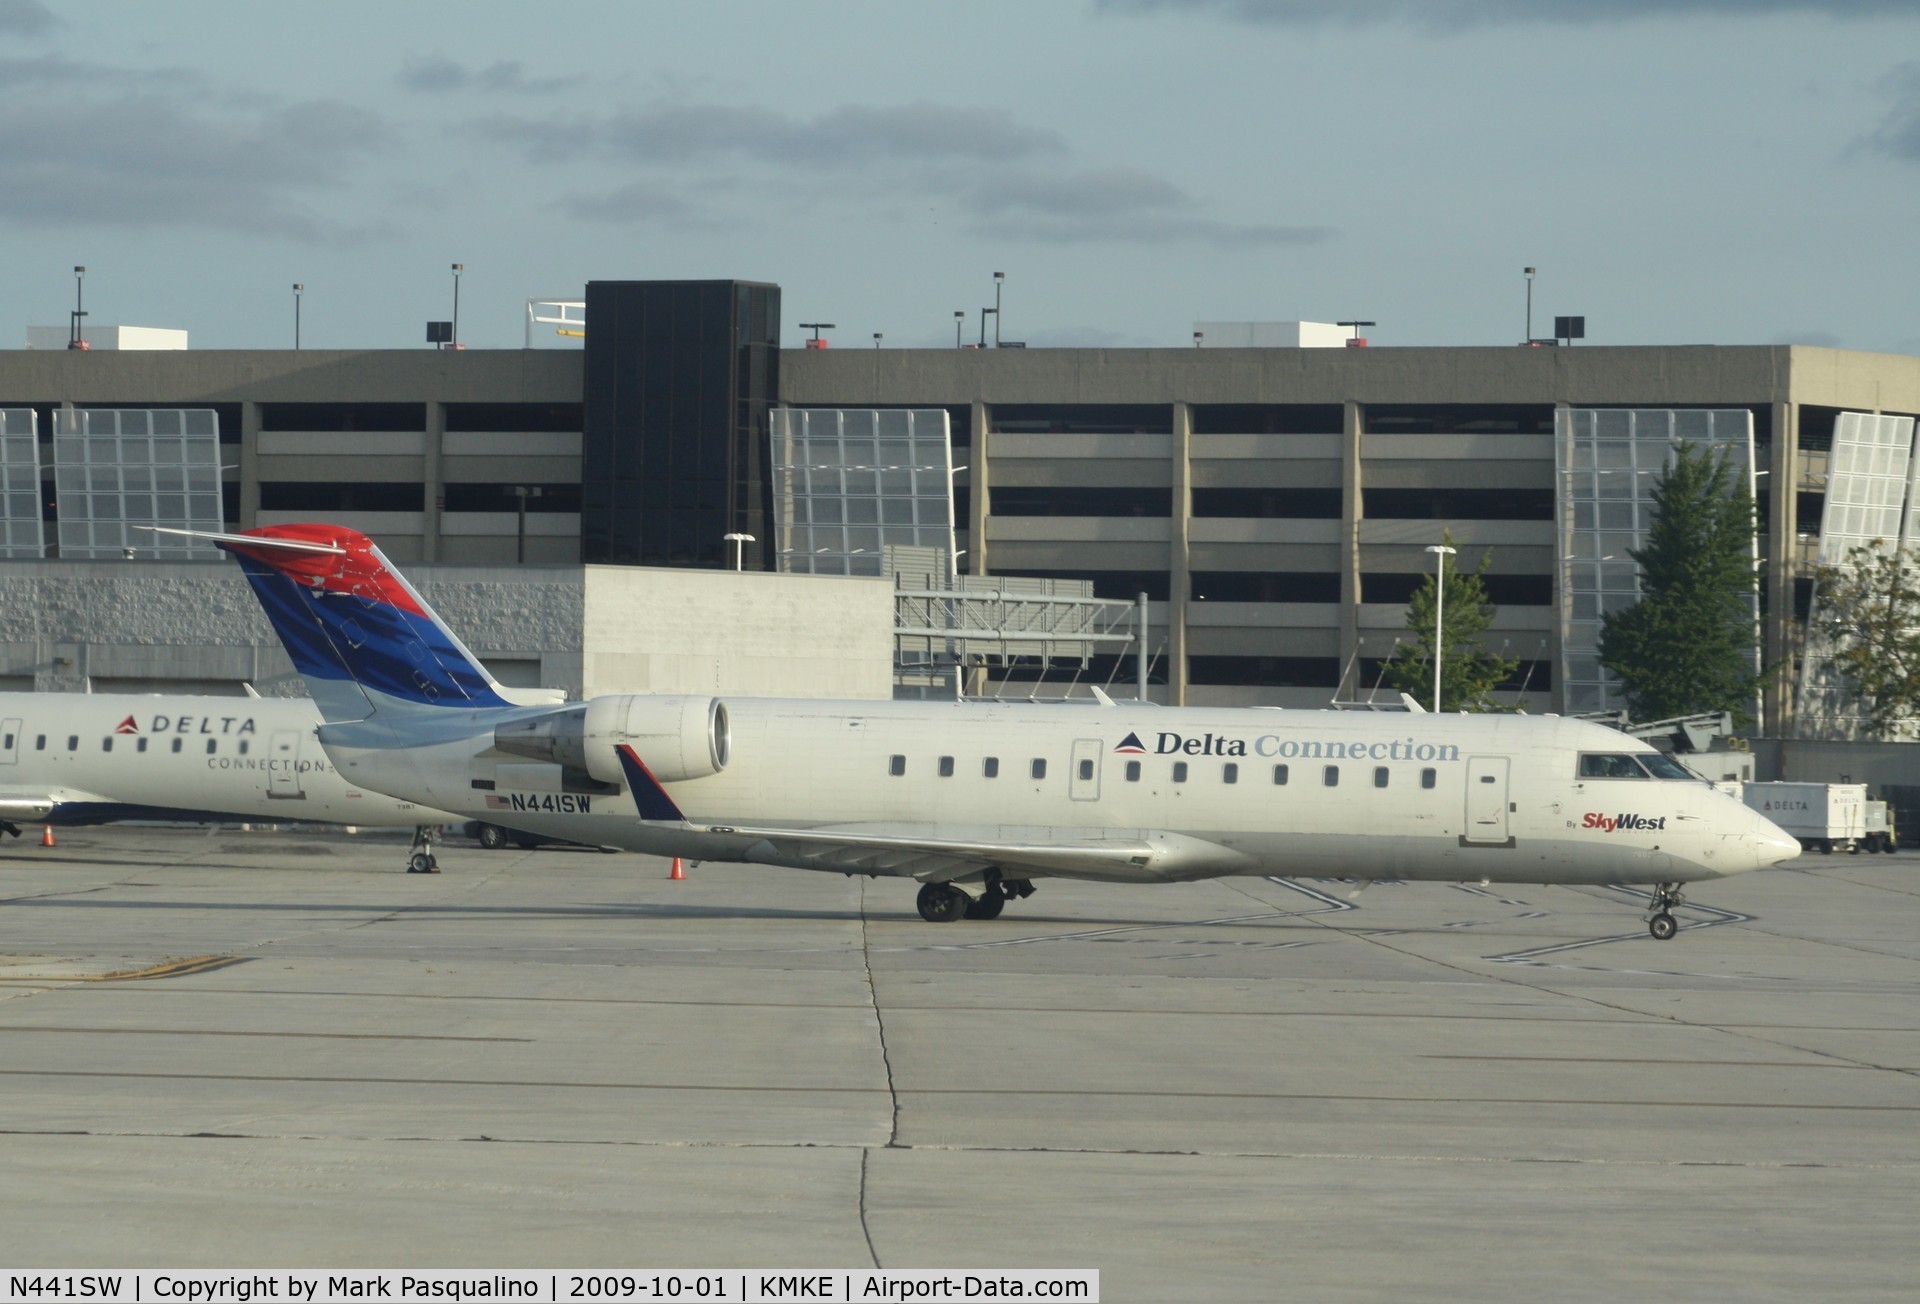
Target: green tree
{"x":1867,"y":609}
{"x":1468,"y":672}
{"x":1687,"y":645}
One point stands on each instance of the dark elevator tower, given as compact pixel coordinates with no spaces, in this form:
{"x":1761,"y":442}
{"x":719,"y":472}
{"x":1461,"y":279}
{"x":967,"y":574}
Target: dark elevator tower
{"x":680,"y":377}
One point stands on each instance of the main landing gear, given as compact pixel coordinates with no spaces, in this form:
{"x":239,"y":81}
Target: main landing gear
{"x":420,"y":858}
{"x":942,"y":903}
{"x":1666,"y":896}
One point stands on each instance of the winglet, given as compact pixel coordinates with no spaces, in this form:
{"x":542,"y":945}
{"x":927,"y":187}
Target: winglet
{"x":648,"y":795}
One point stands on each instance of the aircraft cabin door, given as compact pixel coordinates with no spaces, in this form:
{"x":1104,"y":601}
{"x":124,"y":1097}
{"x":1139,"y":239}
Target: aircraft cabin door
{"x":283,"y":779}
{"x":10,"y":742}
{"x":1487,"y":802}
{"x":1083,"y":784}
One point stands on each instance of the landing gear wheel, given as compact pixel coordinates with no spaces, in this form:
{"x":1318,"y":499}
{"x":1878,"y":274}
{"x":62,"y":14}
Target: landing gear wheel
{"x":491,"y":837}
{"x":941,"y":903}
{"x":988,"y":906}
{"x":1662,"y":926}
{"x":420,"y":856}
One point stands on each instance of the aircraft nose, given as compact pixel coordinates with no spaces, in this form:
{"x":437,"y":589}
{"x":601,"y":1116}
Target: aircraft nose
{"x":1771,"y":844}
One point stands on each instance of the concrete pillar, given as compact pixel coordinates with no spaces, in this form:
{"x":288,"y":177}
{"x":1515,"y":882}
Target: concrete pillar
{"x":1780,"y":567}
{"x":1352,"y":420}
{"x":435,"y":488}
{"x":978,"y":491}
{"x":249,"y":511}
{"x":1180,"y":554}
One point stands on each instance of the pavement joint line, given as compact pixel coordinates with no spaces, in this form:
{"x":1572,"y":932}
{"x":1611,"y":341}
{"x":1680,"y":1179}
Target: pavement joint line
{"x":868,"y":1149}
{"x":238,"y":1032}
{"x":998,"y":1090}
{"x":1621,"y":1017}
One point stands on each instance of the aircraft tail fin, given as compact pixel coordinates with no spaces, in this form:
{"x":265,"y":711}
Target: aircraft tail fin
{"x":364,"y":639}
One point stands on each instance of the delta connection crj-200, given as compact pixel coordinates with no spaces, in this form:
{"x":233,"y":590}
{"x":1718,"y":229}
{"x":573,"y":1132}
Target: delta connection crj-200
{"x":977,"y":801}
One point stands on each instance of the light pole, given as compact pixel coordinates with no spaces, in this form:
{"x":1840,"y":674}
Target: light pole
{"x":76,"y":338}
{"x":1441,"y":552}
{"x":739,"y":542}
{"x":999,"y":279}
{"x":457,"y":269}
{"x":959,"y":319}
{"x":298,"y":289}
{"x":520,"y":493}
{"x":1529,"y":272}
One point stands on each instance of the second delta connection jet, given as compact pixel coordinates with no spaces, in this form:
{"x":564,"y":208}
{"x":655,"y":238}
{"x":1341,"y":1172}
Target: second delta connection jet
{"x":976,"y":801}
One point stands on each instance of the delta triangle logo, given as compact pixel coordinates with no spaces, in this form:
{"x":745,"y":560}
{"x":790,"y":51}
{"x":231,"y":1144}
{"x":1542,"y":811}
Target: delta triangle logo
{"x":126,"y":726}
{"x":1130,"y":745}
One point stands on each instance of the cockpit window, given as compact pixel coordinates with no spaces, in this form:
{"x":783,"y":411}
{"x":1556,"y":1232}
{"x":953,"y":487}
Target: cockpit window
{"x":1599,"y":765}
{"x":1665,"y":767}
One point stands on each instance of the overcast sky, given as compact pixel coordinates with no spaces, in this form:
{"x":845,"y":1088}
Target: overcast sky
{"x":1680,"y":171}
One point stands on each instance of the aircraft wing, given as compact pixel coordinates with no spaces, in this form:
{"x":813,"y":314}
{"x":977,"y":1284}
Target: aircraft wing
{"x":935,"y":854}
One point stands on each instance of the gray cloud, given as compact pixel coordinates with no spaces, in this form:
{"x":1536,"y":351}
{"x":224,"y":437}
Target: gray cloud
{"x":1117,"y":205}
{"x":846,"y":137}
{"x":1898,"y":134}
{"x":26,"y":18}
{"x":637,"y":203}
{"x":144,"y":158}
{"x":1464,"y":15}
{"x":435,"y":74}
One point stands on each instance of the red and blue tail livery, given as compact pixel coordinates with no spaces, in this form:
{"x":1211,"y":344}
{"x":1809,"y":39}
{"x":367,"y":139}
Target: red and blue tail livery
{"x":352,"y":624}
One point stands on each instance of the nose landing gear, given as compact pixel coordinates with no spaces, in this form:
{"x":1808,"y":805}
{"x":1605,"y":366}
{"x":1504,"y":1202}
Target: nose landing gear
{"x":420,"y":857}
{"x":1666,"y":896}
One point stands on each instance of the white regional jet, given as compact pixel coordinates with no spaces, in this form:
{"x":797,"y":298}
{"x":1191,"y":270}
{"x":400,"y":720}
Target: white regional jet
{"x":93,"y":758}
{"x":976,"y":801}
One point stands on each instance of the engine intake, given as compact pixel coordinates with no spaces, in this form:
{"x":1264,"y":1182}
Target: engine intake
{"x":678,"y":737}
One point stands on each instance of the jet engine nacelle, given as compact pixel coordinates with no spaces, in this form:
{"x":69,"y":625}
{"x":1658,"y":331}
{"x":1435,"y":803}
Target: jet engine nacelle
{"x":677,"y":737}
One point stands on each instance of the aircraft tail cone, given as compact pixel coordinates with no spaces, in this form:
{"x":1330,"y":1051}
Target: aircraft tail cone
{"x":46,"y":835}
{"x":678,"y":873}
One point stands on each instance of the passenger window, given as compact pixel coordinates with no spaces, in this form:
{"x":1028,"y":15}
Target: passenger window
{"x":946,"y":767}
{"x":176,"y":746}
{"x":1230,"y":773}
{"x":1039,"y":768}
{"x":243,"y":747}
{"x":140,"y":745}
{"x":73,"y":742}
{"x":9,"y":742}
{"x":106,"y":744}
{"x":1179,"y":771}
{"x":991,"y":767}
{"x":1605,"y":766}
{"x":1280,"y":776}
{"x":896,"y":765}
{"x":1133,"y":771}
{"x":1428,"y":778}
{"x":1332,"y":776}
{"x":212,"y":743}
{"x":1380,"y":776}
{"x":40,"y":743}
{"x":1086,"y":770}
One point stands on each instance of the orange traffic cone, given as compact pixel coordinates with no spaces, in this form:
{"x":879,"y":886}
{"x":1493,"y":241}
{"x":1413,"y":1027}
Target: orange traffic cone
{"x":46,"y":835}
{"x":678,"y":873}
